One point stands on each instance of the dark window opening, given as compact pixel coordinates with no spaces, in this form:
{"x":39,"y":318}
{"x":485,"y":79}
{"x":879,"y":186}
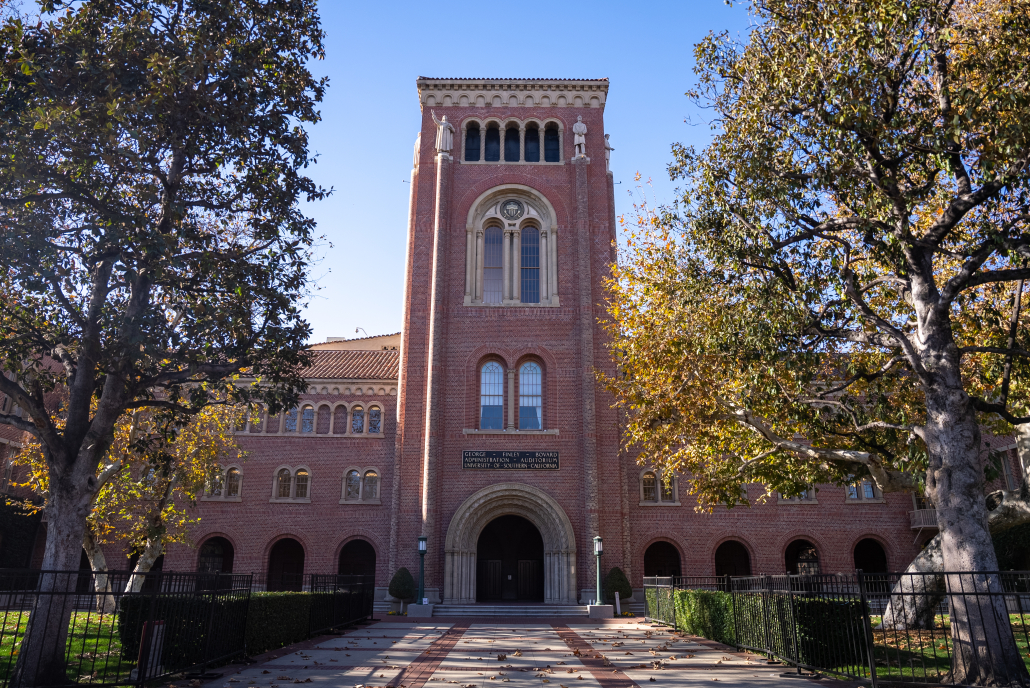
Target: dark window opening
{"x":510,"y":561}
{"x":493,"y":272}
{"x":472,"y":142}
{"x":732,"y":559}
{"x":802,"y":558}
{"x":662,"y":559}
{"x":216,"y":556}
{"x":357,"y":558}
{"x":511,"y":145}
{"x":530,"y":265}
{"x":286,"y":566}
{"x":533,"y":145}
{"x":493,"y":144}
{"x":552,"y":150}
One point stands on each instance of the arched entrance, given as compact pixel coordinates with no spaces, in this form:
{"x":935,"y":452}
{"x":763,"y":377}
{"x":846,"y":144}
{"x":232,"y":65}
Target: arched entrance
{"x":662,"y":559}
{"x":286,"y":566}
{"x":558,"y":542}
{"x":732,"y":559}
{"x":802,"y":558}
{"x":216,"y":556}
{"x":357,"y":558}
{"x":510,"y":561}
{"x":870,"y":557}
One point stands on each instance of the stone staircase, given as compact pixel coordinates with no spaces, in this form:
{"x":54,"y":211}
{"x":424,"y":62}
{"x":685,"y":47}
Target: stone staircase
{"x":520,"y":610}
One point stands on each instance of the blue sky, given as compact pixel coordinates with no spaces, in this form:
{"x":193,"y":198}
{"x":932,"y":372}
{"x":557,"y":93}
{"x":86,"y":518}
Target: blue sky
{"x":375,"y":51}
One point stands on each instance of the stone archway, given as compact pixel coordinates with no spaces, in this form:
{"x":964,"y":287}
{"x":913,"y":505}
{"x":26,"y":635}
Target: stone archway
{"x":503,"y":499}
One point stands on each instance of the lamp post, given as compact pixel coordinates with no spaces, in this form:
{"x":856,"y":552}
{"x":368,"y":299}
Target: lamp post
{"x":598,"y":550}
{"x":421,"y":567}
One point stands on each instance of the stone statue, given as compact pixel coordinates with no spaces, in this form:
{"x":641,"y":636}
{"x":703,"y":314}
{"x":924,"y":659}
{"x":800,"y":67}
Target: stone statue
{"x":580,"y":141}
{"x":444,"y":134}
{"x":418,"y":149}
{"x":607,"y":153}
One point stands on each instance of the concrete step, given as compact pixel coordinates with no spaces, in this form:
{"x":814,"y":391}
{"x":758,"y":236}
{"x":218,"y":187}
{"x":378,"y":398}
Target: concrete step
{"x":539,"y":610}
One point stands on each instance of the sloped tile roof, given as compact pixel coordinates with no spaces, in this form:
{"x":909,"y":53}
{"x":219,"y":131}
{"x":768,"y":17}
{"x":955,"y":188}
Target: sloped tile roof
{"x":353,"y":365}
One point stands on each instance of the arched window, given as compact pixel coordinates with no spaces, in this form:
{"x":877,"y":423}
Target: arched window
{"x":300,"y":482}
{"x":649,"y":483}
{"x":286,"y":566}
{"x":870,"y":557}
{"x":511,"y":144}
{"x":272,"y":427}
{"x":232,"y":482}
{"x":552,"y":144}
{"x":340,"y":420}
{"x":493,"y":144}
{"x":802,"y":558}
{"x":357,"y":420}
{"x":307,"y":423}
{"x":370,"y":487}
{"x":375,"y":420}
{"x":530,"y":397}
{"x":357,"y":558}
{"x":530,"y":265}
{"x":284,"y":483}
{"x":493,"y":270}
{"x":324,"y":414}
{"x":732,"y":559}
{"x":662,"y":559}
{"x":532,"y":144}
{"x":472,"y":142}
{"x":353,"y":486}
{"x":216,"y":556}
{"x":668,"y":490}
{"x":291,"y":420}
{"x":491,"y":399}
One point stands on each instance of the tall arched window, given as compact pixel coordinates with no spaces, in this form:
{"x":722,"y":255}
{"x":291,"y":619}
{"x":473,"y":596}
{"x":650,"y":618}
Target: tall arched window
{"x":491,"y":399}
{"x":649,"y":483}
{"x":357,"y":420}
{"x":493,"y":271}
{"x":532,"y":144}
{"x":307,"y":419}
{"x":324,"y":414}
{"x":375,"y":420}
{"x":493,"y":144}
{"x":802,"y":558}
{"x":353,"y":485}
{"x":291,"y":420}
{"x":552,"y":145}
{"x":284,"y":483}
{"x":511,"y":144}
{"x":340,"y":420}
{"x":301,"y":484}
{"x":370,"y":490}
{"x":530,"y":265}
{"x":232,"y":482}
{"x":530,"y":397}
{"x":472,"y":142}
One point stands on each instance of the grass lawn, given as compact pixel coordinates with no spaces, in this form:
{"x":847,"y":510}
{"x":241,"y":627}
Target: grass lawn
{"x":94,"y":647}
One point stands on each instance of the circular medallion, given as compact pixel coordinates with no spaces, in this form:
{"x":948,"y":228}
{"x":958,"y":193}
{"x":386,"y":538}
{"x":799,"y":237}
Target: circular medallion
{"x":512,"y":210}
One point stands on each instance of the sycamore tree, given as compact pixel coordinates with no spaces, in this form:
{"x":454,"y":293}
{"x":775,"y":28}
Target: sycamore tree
{"x":153,"y":160}
{"x":834,"y":296}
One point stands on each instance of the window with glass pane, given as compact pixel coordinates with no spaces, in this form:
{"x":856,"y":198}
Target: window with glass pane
{"x":511,"y":145}
{"x":532,"y":145}
{"x":668,"y":494}
{"x":649,"y":487}
{"x":216,"y":485}
{"x":852,"y":491}
{"x":531,"y":265}
{"x":491,"y":400}
{"x":493,"y":273}
{"x":530,"y":397}
{"x":291,"y":420}
{"x":283,"y":491}
{"x":493,"y":144}
{"x":357,"y":420}
{"x":232,"y":483}
{"x":371,"y":487}
{"x":353,"y":485}
{"x":301,"y":480}
{"x":472,"y":142}
{"x":307,"y":419}
{"x":868,"y":491}
{"x":552,"y":150}
{"x":375,"y":420}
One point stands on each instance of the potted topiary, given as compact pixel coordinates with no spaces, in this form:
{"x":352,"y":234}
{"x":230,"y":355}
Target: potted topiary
{"x":616,"y":581}
{"x":402,"y":590}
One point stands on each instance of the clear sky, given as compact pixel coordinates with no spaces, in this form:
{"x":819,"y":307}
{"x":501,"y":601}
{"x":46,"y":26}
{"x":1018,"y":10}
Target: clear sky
{"x":370,"y":117}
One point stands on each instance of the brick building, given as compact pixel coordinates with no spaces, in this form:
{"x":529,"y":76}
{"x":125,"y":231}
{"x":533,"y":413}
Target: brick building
{"x":481,"y":425}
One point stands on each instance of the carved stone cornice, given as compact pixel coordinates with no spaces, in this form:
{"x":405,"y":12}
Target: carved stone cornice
{"x":512,"y":92}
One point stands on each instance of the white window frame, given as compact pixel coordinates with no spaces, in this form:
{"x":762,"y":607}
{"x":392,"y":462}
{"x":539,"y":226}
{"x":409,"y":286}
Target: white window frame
{"x":855,"y":492}
{"x":812,"y":497}
{"x":658,"y":492}
{"x":361,"y":486}
{"x":293,"y":499}
{"x":223,"y":474}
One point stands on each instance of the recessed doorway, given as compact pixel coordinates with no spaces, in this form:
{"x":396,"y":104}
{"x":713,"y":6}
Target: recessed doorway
{"x":510,"y":561}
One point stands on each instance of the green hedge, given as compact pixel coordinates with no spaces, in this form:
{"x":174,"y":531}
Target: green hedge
{"x":276,"y":619}
{"x":830,"y":632}
{"x":706,"y":613}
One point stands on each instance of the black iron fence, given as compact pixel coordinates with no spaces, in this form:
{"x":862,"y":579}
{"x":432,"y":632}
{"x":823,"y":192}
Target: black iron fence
{"x":898,"y":627}
{"x":339,"y":600}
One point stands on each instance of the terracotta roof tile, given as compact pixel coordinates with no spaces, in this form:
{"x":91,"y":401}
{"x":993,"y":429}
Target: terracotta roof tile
{"x":353,"y":365}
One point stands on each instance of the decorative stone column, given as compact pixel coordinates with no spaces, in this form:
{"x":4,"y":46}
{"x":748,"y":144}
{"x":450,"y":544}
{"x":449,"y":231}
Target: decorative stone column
{"x":553,"y":258}
{"x":522,"y":142}
{"x":469,"y":266}
{"x":506,"y":267}
{"x":516,"y":261}
{"x":478,"y":296}
{"x":511,"y":398}
{"x":482,"y":143}
{"x":545,"y":259}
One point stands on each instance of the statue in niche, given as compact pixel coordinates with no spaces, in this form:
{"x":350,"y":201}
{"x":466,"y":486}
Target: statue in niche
{"x":444,"y":134}
{"x":418,"y":149}
{"x":580,"y":140}
{"x":607,"y":154}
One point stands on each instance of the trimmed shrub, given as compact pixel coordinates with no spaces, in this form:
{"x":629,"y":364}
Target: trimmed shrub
{"x":706,"y":613}
{"x":616,"y":581}
{"x":402,"y":585}
{"x":276,"y":619}
{"x":831,"y":633}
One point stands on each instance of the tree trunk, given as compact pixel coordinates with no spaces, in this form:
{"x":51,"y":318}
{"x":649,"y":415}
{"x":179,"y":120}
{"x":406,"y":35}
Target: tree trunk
{"x":42,"y":659}
{"x":984,"y":650}
{"x":154,"y":548}
{"x":106,"y":603}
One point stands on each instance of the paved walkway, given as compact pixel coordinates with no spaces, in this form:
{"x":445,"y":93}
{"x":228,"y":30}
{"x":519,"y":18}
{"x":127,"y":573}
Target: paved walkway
{"x":475,"y":653}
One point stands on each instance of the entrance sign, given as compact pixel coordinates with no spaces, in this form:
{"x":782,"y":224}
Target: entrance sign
{"x":513,"y":460}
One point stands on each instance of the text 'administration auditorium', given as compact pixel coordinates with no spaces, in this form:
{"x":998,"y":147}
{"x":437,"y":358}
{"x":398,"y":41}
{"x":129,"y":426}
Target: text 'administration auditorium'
{"x":481,"y":425}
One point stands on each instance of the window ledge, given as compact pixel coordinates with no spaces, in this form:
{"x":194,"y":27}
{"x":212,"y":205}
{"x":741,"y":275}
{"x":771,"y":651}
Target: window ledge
{"x":311,"y":435}
{"x":553,"y":303}
{"x":510,"y":162}
{"x":787,"y":502}
{"x":659,"y":503}
{"x":848,"y":500}
{"x":360,"y":501}
{"x":475,"y":431}
{"x":209,"y":498}
{"x":281,"y":500}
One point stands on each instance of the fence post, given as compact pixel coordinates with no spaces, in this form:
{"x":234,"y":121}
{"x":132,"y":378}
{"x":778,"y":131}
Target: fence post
{"x":867,"y":626}
{"x":766,"y":600}
{"x":794,"y":627}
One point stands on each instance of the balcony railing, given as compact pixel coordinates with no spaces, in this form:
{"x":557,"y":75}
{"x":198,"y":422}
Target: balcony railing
{"x":923,"y":518}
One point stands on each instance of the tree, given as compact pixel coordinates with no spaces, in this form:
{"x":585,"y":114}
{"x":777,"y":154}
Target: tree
{"x":830,"y":298}
{"x":152,"y":163}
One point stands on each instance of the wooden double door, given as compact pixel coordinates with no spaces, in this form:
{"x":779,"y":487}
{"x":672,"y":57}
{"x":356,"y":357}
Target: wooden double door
{"x":510,"y":561}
